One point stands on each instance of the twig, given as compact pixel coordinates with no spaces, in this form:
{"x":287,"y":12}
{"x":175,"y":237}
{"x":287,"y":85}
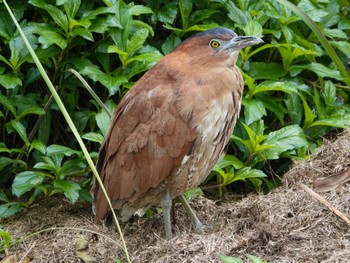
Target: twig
{"x":324,"y":202}
{"x":27,"y":252}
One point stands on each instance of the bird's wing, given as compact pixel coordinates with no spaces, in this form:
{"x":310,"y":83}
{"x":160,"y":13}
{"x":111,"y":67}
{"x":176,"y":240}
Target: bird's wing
{"x":147,"y":141}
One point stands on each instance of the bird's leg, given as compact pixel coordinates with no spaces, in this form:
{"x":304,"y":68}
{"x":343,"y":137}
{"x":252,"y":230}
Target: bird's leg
{"x":198,"y":226}
{"x":166,"y":205}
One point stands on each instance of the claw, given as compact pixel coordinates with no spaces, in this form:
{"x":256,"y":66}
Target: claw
{"x":199,"y":227}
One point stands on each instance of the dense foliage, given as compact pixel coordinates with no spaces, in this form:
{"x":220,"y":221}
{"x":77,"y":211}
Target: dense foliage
{"x":294,"y":94}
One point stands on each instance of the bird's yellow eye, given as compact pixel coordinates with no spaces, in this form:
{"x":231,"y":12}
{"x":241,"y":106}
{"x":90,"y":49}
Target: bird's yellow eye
{"x":214,"y":44}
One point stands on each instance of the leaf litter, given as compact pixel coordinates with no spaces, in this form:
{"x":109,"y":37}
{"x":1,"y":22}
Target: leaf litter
{"x":286,"y":225}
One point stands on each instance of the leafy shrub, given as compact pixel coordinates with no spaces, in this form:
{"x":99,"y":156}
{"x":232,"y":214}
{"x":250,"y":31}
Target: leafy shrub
{"x":295,"y":91}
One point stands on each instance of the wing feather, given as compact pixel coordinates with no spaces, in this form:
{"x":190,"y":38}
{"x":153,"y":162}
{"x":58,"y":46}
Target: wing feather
{"x":146,"y":142}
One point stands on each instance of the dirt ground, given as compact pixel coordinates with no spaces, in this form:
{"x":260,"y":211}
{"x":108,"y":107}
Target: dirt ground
{"x":287,"y":225}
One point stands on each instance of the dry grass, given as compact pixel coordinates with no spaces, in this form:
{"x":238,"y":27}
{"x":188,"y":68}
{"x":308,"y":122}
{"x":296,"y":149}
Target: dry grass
{"x":287,"y":225}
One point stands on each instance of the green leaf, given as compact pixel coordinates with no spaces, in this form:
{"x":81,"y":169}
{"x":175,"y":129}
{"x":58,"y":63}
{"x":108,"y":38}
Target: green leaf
{"x":177,"y":31}
{"x":85,"y":33}
{"x":94,"y":137}
{"x":335,"y":33}
{"x":48,"y":35}
{"x":49,"y":166}
{"x":137,"y":10}
{"x":284,"y":86}
{"x":339,"y":118}
{"x":273,"y":105}
{"x":70,"y":189}
{"x":19,"y":51}
{"x":343,"y":46}
{"x":234,"y":13}
{"x":141,"y":24}
{"x":262,"y":70}
{"x":7,"y":210}
{"x":20,"y":129}
{"x":287,"y":138}
{"x":71,"y":7}
{"x":72,"y":166}
{"x":289,"y":52}
{"x":166,"y":13}
{"x":55,"y":149}
{"x":5,"y":161}
{"x":5,"y":241}
{"x":200,"y":15}
{"x":10,"y":81}
{"x":85,"y":196}
{"x":170,"y":43}
{"x":7,"y":27}
{"x":247,"y":173}
{"x":3,"y":197}
{"x":200,"y":27}
{"x":294,"y":108}
{"x":31,"y":110}
{"x":135,"y":68}
{"x":84,"y":23}
{"x":8,"y":104}
{"x":45,"y":128}
{"x":319,"y":69}
{"x":230,"y":160}
{"x":150,"y":57}
{"x":27,"y":180}
{"x":61,"y":2}
{"x":329,"y":93}
{"x":103,"y":119}
{"x":115,"y":49}
{"x":112,"y":83}
{"x":319,"y":103}
{"x":94,"y":13}
{"x":309,"y":116}
{"x":137,"y":40}
{"x":185,"y":7}
{"x":253,"y":28}
{"x":253,"y":110}
{"x":39,"y":145}
{"x":57,"y":15}
{"x":226,"y":177}
{"x":312,"y":10}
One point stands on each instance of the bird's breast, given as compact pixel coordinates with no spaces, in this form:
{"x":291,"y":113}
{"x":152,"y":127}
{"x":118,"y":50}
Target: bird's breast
{"x":212,"y":135}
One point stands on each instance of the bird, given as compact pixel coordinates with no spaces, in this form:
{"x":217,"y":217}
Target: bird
{"x":172,"y":127}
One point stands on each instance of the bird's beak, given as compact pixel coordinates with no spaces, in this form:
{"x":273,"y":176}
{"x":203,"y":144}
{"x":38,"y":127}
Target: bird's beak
{"x":240,"y":42}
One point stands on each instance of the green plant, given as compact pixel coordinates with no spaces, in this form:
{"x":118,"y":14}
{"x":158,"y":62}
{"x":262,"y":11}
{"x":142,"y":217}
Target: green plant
{"x":5,"y":240}
{"x":53,"y":174}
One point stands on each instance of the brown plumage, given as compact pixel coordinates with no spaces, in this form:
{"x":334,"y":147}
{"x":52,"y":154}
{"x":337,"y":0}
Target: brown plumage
{"x":172,"y":127}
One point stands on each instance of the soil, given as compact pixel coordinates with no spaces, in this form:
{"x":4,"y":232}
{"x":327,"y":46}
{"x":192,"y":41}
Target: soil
{"x":286,"y":225}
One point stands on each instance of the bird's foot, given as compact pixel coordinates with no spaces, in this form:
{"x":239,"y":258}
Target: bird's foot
{"x":201,"y":228}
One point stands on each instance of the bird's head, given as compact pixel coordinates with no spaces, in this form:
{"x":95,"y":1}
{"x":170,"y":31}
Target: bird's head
{"x":218,"y":46}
